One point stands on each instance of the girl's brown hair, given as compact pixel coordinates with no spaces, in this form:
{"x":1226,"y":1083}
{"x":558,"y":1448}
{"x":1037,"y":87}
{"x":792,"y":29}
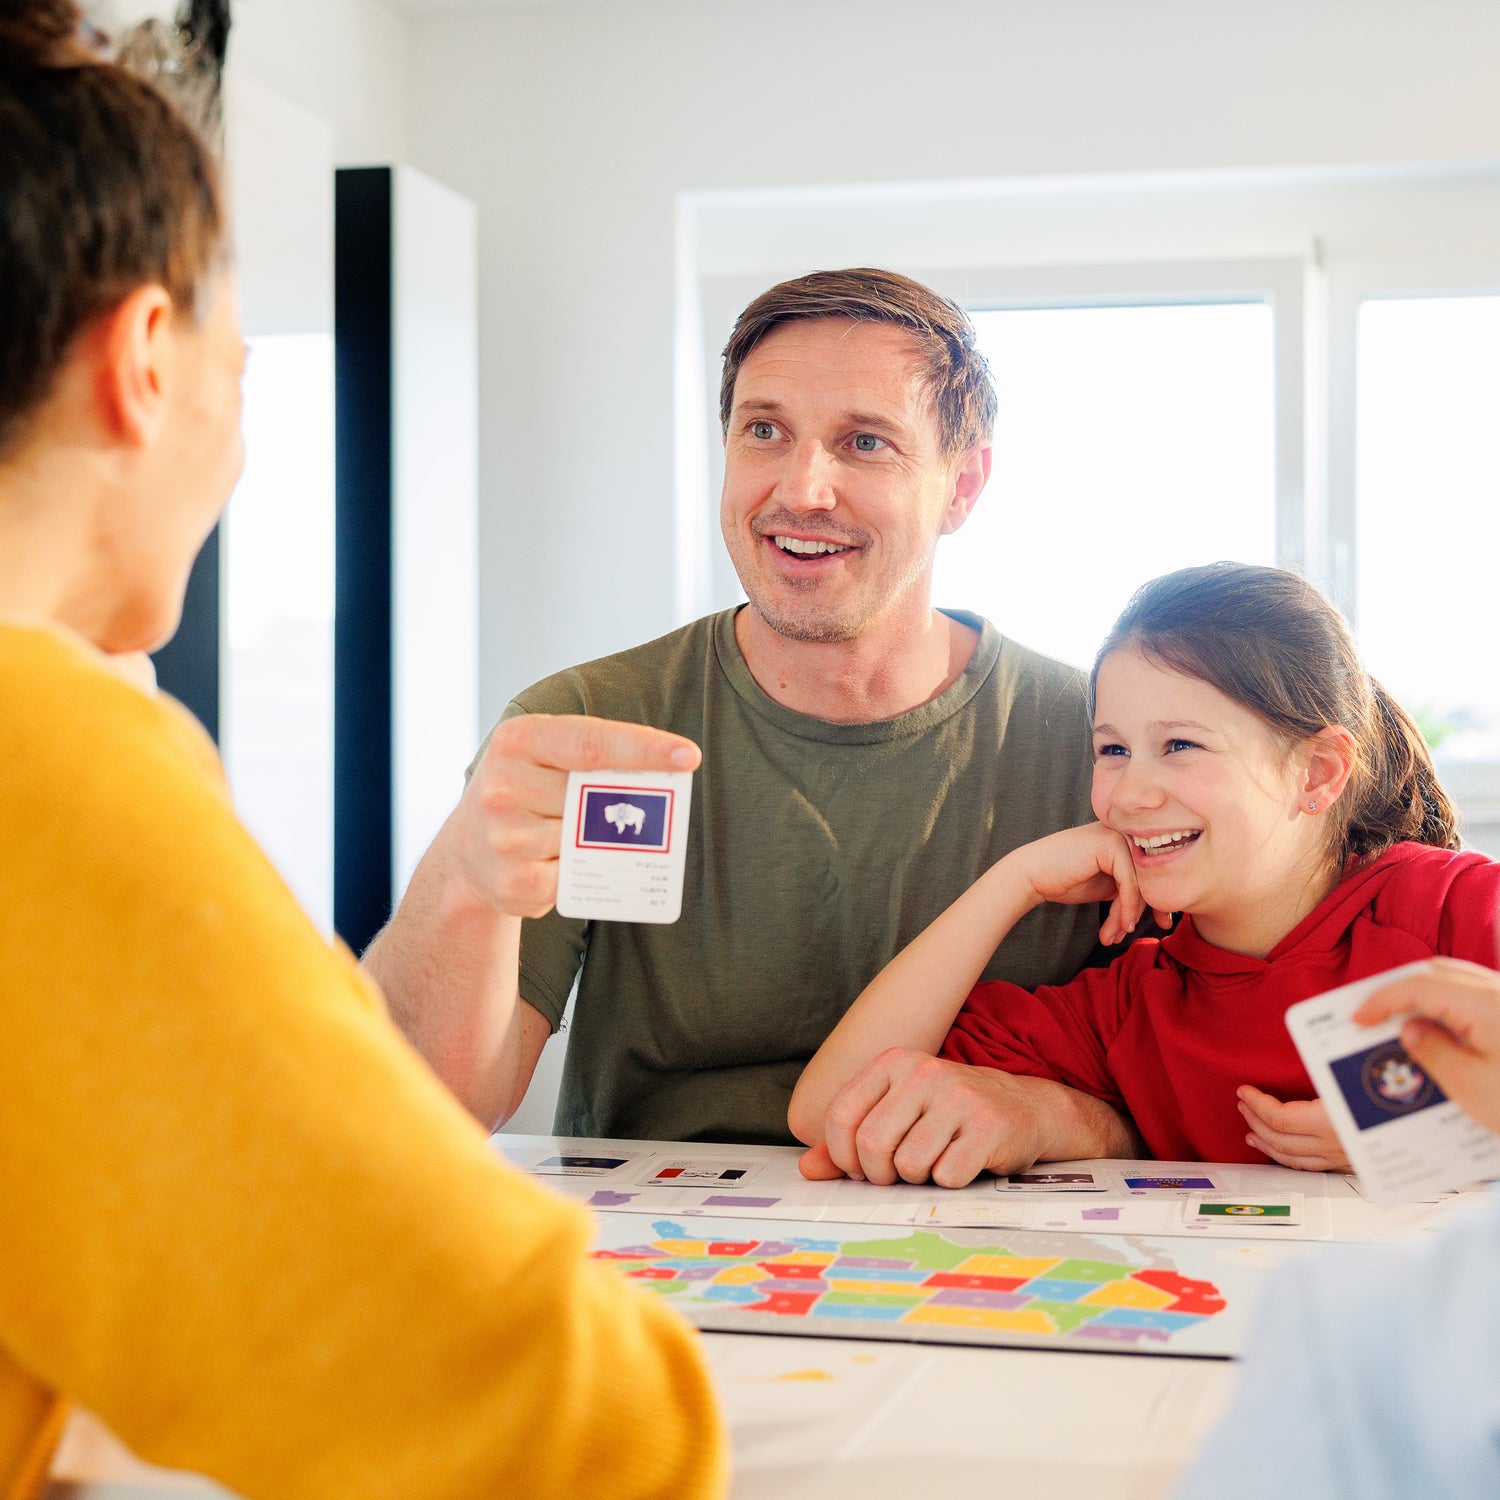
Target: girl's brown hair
{"x":105,"y":186}
{"x":1269,"y":641}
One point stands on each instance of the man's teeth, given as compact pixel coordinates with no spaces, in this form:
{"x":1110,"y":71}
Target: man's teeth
{"x":1166,"y":840}
{"x":806,"y":549}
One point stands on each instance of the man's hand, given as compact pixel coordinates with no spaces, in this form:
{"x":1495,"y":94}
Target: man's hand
{"x":1454,"y":1032}
{"x":507,"y":828}
{"x":910,"y":1117}
{"x":1297,"y":1134}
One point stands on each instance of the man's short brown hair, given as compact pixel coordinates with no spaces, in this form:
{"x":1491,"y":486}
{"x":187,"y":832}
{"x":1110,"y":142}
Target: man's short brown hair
{"x":954,"y":372}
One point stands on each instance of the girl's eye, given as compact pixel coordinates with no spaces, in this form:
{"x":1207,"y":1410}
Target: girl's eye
{"x":1100,"y":751}
{"x":867,"y":442}
{"x":1174,"y":745}
{"x":765,"y":431}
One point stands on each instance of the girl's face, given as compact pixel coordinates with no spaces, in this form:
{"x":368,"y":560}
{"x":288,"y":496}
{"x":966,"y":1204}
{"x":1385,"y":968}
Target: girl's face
{"x":1212,"y":803}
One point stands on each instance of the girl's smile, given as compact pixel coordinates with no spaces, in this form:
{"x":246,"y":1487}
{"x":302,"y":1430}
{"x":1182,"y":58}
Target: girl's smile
{"x":1213,"y":803}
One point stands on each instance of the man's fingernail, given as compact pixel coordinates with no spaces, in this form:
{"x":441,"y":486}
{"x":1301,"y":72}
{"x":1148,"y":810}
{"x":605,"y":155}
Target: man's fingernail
{"x":683,"y":758}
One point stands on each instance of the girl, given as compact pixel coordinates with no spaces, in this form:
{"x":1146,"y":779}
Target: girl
{"x":1249,"y":774}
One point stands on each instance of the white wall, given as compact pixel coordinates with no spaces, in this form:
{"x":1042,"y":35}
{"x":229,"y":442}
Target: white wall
{"x":575,"y":128}
{"x":343,"y":60}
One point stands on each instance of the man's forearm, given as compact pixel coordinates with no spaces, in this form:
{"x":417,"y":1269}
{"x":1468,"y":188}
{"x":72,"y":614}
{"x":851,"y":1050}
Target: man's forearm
{"x":447,"y":965}
{"x":1078,"y":1127}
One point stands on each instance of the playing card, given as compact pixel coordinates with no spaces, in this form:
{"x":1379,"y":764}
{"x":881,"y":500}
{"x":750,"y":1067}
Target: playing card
{"x":1403,"y":1136}
{"x":1051,"y":1182}
{"x":1233,"y":1212}
{"x":624,"y":845}
{"x":702,"y":1172}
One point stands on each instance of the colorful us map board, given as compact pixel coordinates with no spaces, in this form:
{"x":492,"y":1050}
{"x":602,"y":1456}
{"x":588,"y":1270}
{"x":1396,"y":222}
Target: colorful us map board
{"x":1102,"y":1294}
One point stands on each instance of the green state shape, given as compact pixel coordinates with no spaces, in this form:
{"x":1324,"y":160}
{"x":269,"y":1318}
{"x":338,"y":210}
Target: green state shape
{"x":872,"y":1299}
{"x":1090,"y":1270}
{"x":1066,"y":1315}
{"x":925,"y":1251}
{"x":664,"y":1288}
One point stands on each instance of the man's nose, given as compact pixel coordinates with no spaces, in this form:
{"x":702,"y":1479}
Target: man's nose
{"x":806,"y":481}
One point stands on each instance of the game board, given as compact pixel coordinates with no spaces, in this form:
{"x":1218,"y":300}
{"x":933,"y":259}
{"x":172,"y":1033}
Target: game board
{"x":1118,"y":1294}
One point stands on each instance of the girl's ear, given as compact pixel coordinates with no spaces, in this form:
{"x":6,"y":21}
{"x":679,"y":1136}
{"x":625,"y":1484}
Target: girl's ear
{"x":1329,"y":757}
{"x":135,"y":356}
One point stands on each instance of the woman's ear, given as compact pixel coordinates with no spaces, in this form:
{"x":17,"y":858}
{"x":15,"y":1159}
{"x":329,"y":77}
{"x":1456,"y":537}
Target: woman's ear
{"x":1329,"y":758}
{"x":135,"y":349}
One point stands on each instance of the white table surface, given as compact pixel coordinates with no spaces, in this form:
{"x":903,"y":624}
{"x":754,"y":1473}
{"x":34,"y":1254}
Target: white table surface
{"x":815,"y":1419}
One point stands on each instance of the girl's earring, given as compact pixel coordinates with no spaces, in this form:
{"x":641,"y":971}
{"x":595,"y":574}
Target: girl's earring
{"x":1312,"y":806}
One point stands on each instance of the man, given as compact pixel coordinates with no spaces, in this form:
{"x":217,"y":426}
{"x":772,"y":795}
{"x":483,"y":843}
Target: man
{"x":865,"y":756}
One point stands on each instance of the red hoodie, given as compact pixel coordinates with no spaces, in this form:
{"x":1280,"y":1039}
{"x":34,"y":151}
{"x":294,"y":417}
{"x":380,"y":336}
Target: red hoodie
{"x":1174,"y":1025}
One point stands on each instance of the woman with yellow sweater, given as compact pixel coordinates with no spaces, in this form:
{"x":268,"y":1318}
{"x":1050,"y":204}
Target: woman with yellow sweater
{"x":241,"y":1220}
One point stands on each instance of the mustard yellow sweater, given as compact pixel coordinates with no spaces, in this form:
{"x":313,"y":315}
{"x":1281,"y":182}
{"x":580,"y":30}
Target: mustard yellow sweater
{"x":238,"y":1217}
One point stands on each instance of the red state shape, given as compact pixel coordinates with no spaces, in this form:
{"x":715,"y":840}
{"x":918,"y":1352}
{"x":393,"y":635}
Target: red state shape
{"x":976,"y":1283}
{"x":792,"y":1273}
{"x":654,"y":1273}
{"x":732,"y":1247}
{"x":788,"y":1304}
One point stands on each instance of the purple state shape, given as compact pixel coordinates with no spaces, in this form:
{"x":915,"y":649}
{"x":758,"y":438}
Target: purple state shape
{"x":606,"y":1199}
{"x":698,"y":1273}
{"x":963,"y":1297}
{"x":871,"y":1263}
{"x":723,"y":1200}
{"x":1101,"y":1213}
{"x":1117,"y":1333}
{"x":771,"y":1249}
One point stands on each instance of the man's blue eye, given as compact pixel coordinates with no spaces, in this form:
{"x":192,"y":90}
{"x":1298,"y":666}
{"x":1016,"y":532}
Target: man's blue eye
{"x":763,"y":430}
{"x":867,"y":442}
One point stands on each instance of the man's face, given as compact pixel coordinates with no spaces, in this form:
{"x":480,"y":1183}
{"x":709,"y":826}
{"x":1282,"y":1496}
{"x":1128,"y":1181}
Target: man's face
{"x":835,"y":487}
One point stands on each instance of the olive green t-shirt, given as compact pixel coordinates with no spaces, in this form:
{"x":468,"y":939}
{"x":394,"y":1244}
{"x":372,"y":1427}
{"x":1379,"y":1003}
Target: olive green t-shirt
{"x":815,"y":852}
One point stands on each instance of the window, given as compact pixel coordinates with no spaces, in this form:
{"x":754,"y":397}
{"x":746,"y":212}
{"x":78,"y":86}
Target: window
{"x":278,"y":586}
{"x":1131,"y":441}
{"x":1428,"y":513}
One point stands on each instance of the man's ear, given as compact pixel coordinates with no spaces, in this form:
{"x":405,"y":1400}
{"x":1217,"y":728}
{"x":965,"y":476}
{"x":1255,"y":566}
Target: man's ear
{"x":136,"y":347}
{"x":1330,"y":755}
{"x":970,"y":475}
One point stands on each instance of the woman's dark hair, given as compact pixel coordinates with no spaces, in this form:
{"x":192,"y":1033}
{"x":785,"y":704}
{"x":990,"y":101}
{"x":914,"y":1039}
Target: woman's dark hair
{"x":105,"y":186}
{"x":1269,"y":641}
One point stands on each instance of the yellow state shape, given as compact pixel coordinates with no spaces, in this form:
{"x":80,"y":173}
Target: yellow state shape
{"x":1128,"y":1293}
{"x":696,"y":1249}
{"x":740,"y":1276}
{"x":880,"y":1288}
{"x":1025,"y":1266}
{"x":802,"y":1258}
{"x":1022,"y":1321}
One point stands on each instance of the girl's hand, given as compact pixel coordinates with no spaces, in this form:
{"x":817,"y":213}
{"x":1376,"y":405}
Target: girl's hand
{"x":1297,"y":1134}
{"x":1454,"y":1031}
{"x":1080,"y":865}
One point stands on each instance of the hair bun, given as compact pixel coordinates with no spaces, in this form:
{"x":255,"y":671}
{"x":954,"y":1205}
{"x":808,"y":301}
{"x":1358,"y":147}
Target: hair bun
{"x":40,"y":34}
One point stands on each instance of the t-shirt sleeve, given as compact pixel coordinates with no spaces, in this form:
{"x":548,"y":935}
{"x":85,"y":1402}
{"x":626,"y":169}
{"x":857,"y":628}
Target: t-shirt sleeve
{"x":1060,"y":1032}
{"x":244,"y":1222}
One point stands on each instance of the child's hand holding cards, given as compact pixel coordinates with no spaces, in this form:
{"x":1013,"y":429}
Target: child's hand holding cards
{"x":1404,"y":1137}
{"x":624,"y":845}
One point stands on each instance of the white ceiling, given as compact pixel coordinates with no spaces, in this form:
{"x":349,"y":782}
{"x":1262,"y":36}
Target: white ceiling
{"x":431,"y":7}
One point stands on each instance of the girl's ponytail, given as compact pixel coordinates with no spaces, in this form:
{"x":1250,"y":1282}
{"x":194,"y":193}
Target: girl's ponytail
{"x":1395,"y":794}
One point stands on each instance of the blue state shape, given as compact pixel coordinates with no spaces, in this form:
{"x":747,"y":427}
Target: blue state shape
{"x":1146,"y":1317}
{"x":1051,"y":1289}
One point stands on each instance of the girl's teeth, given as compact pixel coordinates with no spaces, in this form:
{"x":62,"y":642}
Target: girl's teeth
{"x":1165,"y":840}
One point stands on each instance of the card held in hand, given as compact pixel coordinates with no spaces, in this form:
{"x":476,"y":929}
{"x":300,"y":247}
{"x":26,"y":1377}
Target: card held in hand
{"x":624,"y":845}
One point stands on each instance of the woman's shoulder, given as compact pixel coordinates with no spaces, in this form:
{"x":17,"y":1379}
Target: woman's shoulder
{"x":81,"y":737}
